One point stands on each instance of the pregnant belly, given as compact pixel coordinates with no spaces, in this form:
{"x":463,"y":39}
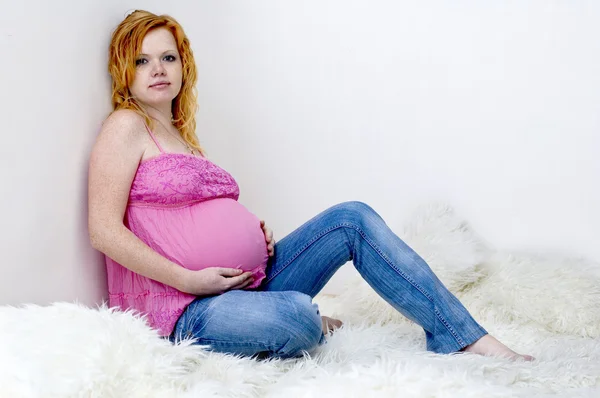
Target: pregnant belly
{"x":216,"y":233}
{"x":225,"y":234}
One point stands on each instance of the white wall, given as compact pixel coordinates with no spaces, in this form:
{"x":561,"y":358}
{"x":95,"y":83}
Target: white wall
{"x":491,"y":106}
{"x":54,"y":96}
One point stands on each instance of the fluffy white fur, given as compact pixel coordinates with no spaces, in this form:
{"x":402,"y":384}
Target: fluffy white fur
{"x":544,"y":305}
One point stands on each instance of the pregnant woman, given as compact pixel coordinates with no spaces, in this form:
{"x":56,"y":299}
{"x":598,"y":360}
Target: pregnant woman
{"x":182,"y":250}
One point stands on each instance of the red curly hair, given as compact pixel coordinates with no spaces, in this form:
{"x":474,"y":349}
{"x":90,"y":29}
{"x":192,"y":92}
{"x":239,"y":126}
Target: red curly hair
{"x":126,"y":45}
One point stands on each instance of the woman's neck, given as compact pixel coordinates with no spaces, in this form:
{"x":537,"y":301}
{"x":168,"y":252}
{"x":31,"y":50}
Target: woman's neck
{"x":162,"y":112}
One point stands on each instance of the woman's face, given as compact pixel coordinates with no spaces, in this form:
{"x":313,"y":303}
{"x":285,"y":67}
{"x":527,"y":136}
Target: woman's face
{"x":158,"y":69}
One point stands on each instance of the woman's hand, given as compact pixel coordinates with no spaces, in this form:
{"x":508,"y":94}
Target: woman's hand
{"x":268,"y":238}
{"x":214,"y":280}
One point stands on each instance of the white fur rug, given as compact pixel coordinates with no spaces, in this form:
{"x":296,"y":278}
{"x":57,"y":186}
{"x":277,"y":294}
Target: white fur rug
{"x":547,"y":306}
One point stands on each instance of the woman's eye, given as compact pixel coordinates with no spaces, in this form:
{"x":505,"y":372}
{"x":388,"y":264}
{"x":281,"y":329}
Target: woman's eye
{"x":140,"y":61}
{"x":170,"y":58}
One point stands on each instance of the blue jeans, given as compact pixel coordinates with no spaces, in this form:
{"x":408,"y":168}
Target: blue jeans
{"x":279,"y":319}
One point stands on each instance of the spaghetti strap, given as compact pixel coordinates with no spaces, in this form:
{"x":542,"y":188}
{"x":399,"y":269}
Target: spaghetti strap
{"x":154,"y":139}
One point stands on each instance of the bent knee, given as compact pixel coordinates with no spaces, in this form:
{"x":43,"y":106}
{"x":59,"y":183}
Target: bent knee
{"x":355,"y":213}
{"x":302,"y":330}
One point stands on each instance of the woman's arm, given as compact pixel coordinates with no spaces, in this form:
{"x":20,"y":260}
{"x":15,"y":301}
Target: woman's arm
{"x":113,"y":164}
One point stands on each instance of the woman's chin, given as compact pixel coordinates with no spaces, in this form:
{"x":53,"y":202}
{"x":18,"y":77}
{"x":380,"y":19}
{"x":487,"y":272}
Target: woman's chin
{"x":159,"y":99}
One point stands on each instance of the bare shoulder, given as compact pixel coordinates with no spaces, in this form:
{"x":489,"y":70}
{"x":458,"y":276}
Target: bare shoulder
{"x":125,"y":117}
{"x":114,"y":160}
{"x":123,"y":122}
{"x":120,"y":142}
{"x":123,"y":131}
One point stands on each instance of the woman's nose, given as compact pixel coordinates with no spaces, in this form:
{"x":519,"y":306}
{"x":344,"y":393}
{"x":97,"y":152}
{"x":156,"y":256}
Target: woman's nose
{"x":158,"y":69}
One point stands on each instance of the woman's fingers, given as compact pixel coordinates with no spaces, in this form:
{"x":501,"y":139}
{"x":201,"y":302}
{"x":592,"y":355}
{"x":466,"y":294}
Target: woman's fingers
{"x":233,"y":281}
{"x":267,"y":231}
{"x":246,"y":282}
{"x":268,"y":238}
{"x":229,"y":272}
{"x":271,"y":247}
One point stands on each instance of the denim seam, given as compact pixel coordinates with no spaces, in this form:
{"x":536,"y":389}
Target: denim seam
{"x":408,"y":279}
{"x":306,"y":245}
{"x":235,"y":343}
{"x":388,"y":261}
{"x":361,"y":232}
{"x":382,"y":255}
{"x":450,"y":328}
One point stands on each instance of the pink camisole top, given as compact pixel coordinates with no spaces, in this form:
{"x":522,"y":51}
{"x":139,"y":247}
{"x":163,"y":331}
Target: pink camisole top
{"x":185,"y":208}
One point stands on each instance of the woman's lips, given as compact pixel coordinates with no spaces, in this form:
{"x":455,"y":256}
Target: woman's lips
{"x":160,"y":85}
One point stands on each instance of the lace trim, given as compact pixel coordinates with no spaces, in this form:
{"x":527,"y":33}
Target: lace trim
{"x":141,"y":203}
{"x":174,"y":154}
{"x":175,"y":180}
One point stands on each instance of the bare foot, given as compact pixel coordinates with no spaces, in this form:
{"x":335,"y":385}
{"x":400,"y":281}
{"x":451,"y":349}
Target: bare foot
{"x":329,"y":324}
{"x":489,"y":346}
